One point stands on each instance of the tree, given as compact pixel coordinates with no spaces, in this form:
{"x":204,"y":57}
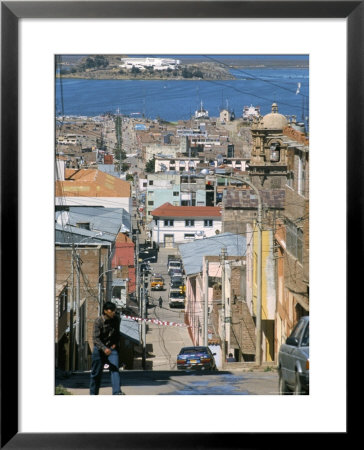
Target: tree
{"x":150,"y":165}
{"x":198,"y":74}
{"x":101,"y":61}
{"x":186,"y":73}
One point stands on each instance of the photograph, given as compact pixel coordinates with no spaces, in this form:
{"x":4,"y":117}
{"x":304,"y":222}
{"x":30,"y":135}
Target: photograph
{"x":171,"y":232}
{"x":182,"y":224}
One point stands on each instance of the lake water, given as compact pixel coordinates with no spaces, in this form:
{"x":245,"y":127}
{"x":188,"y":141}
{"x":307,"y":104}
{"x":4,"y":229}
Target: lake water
{"x":178,"y":99}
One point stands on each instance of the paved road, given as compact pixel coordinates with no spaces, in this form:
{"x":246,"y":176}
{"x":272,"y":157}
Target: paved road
{"x":164,"y":342}
{"x":180,"y":383}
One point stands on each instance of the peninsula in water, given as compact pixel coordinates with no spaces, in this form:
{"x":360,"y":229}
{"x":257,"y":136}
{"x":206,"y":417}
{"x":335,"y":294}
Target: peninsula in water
{"x":108,"y":67}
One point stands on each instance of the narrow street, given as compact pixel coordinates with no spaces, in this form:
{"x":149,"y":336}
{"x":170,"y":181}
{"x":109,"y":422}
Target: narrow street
{"x":163,"y":341}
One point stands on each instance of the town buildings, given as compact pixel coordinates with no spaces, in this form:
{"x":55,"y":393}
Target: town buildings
{"x":199,"y":201}
{"x":94,"y":256}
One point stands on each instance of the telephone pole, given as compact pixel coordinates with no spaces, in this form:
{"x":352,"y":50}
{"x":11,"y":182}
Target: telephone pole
{"x":258,"y":327}
{"x":144,"y":334}
{"x":223,"y":299}
{"x":206,"y":305}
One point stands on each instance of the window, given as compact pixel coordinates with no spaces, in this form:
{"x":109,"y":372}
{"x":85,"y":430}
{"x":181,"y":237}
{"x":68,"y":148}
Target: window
{"x":150,"y":192}
{"x":301,"y":176}
{"x":62,"y":302}
{"x":175,"y":194}
{"x":84,"y":225}
{"x":150,"y":182}
{"x":150,"y":202}
{"x":189,"y":223}
{"x":290,"y":179}
{"x":275,"y":152}
{"x":168,"y":223}
{"x":208,"y":223}
{"x":294,"y":240}
{"x":189,"y":236}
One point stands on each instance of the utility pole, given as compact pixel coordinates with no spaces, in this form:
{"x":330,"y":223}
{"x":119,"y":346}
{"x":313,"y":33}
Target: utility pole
{"x":144,"y":334}
{"x":223,"y":298}
{"x":258,"y":327}
{"x":258,"y":351}
{"x":137,"y":274}
{"x":206,"y":305}
{"x":78,"y":343}
{"x":72,"y":334}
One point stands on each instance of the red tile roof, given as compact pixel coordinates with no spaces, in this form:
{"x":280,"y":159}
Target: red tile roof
{"x":168,"y":210}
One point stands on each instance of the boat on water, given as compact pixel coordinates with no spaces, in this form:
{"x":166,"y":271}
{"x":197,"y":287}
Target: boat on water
{"x":201,"y":113}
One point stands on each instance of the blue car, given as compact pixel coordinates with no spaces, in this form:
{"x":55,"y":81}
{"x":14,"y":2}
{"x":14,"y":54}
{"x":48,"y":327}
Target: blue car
{"x":196,"y":358}
{"x":294,"y":360}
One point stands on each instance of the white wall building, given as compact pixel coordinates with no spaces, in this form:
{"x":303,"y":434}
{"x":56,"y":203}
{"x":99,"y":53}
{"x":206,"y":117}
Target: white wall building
{"x":163,"y":164}
{"x":155,"y":63}
{"x":174,"y":225}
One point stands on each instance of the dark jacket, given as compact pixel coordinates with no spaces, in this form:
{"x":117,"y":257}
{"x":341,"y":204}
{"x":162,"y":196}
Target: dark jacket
{"x":106,"y":332}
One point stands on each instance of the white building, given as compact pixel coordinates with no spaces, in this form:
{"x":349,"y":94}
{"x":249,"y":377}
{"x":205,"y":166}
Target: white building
{"x":154,"y":63}
{"x":174,"y":225}
{"x":163,"y":164}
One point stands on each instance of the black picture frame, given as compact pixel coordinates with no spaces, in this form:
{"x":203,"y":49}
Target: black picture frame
{"x":11,"y":12}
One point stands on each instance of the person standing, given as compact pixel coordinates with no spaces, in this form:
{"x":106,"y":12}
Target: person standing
{"x":160,"y":301}
{"x":106,"y":349}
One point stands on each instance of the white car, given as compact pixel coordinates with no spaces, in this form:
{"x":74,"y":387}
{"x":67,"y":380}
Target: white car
{"x":293,"y":360}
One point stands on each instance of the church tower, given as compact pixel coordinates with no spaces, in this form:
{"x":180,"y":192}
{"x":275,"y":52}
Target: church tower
{"x":268,"y":163}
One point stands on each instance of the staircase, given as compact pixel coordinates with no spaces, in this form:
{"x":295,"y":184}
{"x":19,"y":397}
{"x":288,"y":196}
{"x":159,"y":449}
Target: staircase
{"x":243,"y":328}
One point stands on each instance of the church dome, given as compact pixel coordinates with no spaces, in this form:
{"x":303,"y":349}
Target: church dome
{"x":274,"y":120}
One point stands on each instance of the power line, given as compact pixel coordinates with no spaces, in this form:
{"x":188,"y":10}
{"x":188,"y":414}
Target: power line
{"x":254,"y":77}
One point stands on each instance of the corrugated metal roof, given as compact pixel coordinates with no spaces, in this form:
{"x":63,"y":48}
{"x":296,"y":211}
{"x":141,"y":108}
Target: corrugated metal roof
{"x":130,"y":329}
{"x":66,"y":234}
{"x":109,"y":169}
{"x":107,"y":220}
{"x":192,"y":253}
{"x":91,"y":183}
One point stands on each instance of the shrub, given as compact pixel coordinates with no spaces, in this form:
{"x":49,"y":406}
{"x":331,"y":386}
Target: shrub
{"x":60,"y":390}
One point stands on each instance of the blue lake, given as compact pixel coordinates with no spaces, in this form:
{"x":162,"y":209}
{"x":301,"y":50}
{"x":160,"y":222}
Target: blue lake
{"x":178,"y":99}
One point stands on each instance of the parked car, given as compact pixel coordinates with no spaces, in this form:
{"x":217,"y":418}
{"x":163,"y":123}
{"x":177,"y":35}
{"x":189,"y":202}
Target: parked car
{"x":174,"y":264}
{"x":157,"y":282}
{"x":177,"y":282}
{"x":175,"y":273}
{"x":196,"y":358}
{"x":293,"y":360}
{"x":176,"y":298}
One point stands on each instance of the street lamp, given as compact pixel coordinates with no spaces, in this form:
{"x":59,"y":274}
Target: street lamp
{"x":259,"y":268}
